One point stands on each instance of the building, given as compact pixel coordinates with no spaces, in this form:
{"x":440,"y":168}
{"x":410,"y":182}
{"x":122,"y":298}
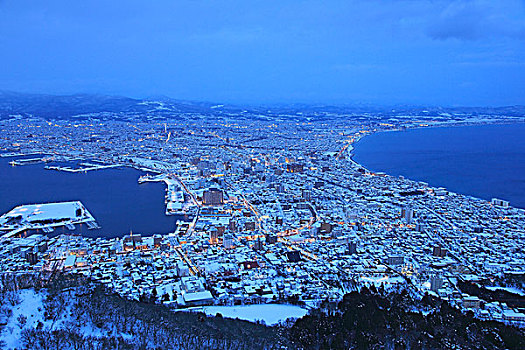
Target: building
{"x":440,"y":192}
{"x":306,"y":194}
{"x":32,"y":257}
{"x":271,"y":239}
{"x":293,"y":256}
{"x":395,"y":260}
{"x":471,"y":302}
{"x":436,"y":282}
{"x":198,"y":298}
{"x":214,"y":235}
{"x":294,"y":168}
{"x":352,"y":247}
{"x":69,"y":263}
{"x":213,"y":196}
{"x":318,"y":184}
{"x":408,"y":214}
{"x":326,"y":227}
{"x":439,"y":252}
{"x":205,"y":165}
{"x":194,"y":293}
{"x":499,"y":203}
{"x":513,"y":316}
{"x":258,"y":244}
{"x":247,"y":265}
{"x":132,"y":241}
{"x":182,"y":269}
{"x":227,"y":241}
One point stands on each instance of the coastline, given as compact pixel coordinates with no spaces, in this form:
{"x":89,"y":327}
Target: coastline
{"x":132,"y":202}
{"x":434,"y":126}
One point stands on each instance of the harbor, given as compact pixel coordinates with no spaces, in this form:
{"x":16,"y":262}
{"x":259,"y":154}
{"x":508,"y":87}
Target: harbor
{"x":85,"y":167}
{"x":110,"y":193}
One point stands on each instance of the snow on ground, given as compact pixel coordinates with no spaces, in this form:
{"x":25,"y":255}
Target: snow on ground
{"x":47,"y":211}
{"x":31,"y":307}
{"x":508,"y":289}
{"x":385,"y":280}
{"x":271,"y":314}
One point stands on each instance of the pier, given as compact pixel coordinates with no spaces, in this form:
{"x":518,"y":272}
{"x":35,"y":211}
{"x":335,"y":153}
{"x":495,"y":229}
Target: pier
{"x":86,"y":167}
{"x":15,"y":154}
{"x":47,"y":217}
{"x":29,"y":161}
{"x":15,"y":232}
{"x":176,"y":203}
{"x":92,"y":225}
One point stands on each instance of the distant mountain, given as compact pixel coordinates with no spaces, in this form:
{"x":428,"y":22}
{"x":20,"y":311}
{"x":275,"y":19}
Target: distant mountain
{"x":62,"y":106}
{"x":395,"y":110}
{"x":12,"y":103}
{"x":55,"y":106}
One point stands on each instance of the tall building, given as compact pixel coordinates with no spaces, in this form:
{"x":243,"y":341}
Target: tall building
{"x":258,"y":244}
{"x":436,"y":282}
{"x":439,"y":251}
{"x":227,"y":241}
{"x":294,"y":168}
{"x":306,"y":194}
{"x":395,"y":260}
{"x":214,"y":235}
{"x":213,"y":196}
{"x":352,"y":247}
{"x":407,"y":213}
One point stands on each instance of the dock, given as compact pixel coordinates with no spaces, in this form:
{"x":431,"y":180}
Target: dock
{"x":15,"y":232}
{"x":46,"y":217}
{"x":18,"y":162}
{"x":176,"y":203}
{"x":47,"y":229}
{"x":18,"y":154}
{"x":92,"y":225}
{"x":86,"y":167}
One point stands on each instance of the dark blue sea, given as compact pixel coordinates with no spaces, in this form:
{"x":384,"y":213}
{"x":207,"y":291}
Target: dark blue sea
{"x":113,"y":196}
{"x":484,"y":161}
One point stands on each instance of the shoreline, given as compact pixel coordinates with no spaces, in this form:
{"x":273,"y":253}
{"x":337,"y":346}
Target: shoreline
{"x":456,"y":125}
{"x":101,"y":209}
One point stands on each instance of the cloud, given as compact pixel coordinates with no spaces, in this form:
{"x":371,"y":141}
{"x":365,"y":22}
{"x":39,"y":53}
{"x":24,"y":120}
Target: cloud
{"x":478,"y":19}
{"x":267,"y":50}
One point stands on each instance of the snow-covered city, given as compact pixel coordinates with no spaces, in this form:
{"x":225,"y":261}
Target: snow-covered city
{"x":275,"y":218}
{"x":270,"y":175}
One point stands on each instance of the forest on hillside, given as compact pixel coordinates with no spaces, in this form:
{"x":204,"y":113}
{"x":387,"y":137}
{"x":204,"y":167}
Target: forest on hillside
{"x":369,"y":319}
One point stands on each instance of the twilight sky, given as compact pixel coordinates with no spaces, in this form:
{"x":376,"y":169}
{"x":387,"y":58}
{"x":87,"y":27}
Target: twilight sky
{"x":438,"y":52}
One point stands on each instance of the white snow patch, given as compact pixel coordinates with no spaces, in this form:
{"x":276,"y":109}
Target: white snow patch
{"x":508,"y":289}
{"x":31,"y":307}
{"x":271,"y":314}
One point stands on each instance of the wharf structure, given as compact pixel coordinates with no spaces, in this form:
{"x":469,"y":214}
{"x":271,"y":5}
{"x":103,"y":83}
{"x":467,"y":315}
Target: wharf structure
{"x":46,"y":217}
